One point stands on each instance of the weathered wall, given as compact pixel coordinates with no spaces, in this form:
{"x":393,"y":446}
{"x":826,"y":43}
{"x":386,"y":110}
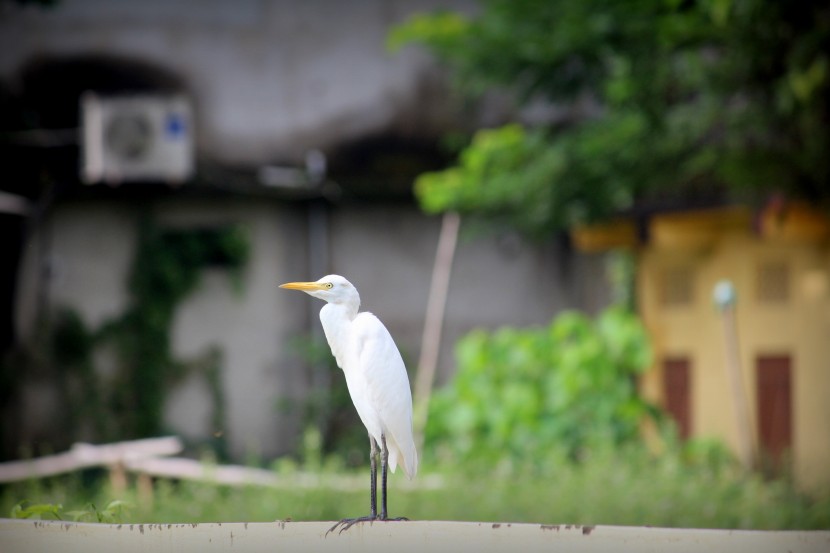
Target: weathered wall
{"x":89,"y":247}
{"x":270,"y":78}
{"x":387,"y":253}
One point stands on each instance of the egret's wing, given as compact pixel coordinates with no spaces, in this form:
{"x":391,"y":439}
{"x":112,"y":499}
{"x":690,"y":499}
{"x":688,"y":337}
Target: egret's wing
{"x":387,"y":387}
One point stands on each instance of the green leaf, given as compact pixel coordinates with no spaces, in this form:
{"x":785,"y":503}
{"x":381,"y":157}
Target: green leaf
{"x":36,"y":511}
{"x":78,"y":515}
{"x":440,"y":30}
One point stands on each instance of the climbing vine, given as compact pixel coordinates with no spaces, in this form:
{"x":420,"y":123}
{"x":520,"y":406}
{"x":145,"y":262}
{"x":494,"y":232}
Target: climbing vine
{"x":129,"y":402}
{"x":166,"y":269}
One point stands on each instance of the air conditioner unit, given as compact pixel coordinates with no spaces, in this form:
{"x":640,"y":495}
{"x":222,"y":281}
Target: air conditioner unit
{"x":136,"y":138}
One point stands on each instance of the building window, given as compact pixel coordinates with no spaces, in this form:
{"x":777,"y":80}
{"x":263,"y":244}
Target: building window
{"x":676,"y":391}
{"x":773,"y":282}
{"x":677,"y":287}
{"x":774,"y":397}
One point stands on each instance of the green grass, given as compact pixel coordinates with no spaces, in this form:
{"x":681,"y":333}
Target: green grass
{"x":619,"y":488}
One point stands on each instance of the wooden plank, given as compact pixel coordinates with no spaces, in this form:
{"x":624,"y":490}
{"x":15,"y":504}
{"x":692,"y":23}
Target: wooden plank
{"x":236,"y":475}
{"x":144,"y":457}
{"x":25,"y":536}
{"x":83,"y":455}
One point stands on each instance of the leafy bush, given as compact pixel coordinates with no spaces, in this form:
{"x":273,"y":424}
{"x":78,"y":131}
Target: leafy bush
{"x":522,"y":393}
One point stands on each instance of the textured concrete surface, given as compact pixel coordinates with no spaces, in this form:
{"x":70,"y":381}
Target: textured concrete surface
{"x":19,"y":536}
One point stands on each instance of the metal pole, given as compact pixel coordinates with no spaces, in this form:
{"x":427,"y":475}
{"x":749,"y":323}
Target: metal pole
{"x":725,"y":298}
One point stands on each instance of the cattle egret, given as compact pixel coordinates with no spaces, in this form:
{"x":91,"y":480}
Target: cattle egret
{"x":376,"y":378}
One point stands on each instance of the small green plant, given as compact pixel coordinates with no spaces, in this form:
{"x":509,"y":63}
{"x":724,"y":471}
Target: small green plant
{"x":37,"y":511}
{"x":114,"y":512}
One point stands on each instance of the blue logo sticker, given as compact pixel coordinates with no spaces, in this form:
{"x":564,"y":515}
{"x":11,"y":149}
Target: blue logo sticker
{"x":175,"y":126}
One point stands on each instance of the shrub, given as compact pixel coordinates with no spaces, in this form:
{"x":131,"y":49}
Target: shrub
{"x":522,"y":393}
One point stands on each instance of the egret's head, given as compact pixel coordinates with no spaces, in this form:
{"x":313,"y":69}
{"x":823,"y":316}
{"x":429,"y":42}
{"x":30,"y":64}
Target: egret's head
{"x":330,"y":288}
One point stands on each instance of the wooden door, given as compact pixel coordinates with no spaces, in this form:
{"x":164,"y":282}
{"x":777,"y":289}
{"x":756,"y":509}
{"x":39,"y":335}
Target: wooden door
{"x":774,"y":397}
{"x":676,"y":384}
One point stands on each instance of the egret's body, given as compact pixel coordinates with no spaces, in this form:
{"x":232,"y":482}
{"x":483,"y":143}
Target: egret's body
{"x":375,"y":375}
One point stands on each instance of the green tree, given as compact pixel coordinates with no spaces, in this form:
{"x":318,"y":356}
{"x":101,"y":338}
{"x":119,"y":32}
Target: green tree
{"x":660,"y":99}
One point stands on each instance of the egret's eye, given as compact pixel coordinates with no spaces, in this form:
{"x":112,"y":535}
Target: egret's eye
{"x":328,"y":285}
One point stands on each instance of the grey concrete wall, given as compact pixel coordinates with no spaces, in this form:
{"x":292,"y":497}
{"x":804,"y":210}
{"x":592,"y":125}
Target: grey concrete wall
{"x":252,"y":326}
{"x":386,"y":251}
{"x":88,"y":249}
{"x":271,"y":78}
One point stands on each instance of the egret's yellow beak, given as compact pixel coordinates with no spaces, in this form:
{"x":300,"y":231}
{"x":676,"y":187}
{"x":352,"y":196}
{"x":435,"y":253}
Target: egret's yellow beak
{"x":304,"y":286}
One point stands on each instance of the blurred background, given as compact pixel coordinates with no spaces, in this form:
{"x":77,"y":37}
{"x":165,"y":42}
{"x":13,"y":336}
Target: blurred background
{"x":636,"y":297}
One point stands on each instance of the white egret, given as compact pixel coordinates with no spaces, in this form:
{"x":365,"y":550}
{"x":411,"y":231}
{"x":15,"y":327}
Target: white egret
{"x":376,"y":378}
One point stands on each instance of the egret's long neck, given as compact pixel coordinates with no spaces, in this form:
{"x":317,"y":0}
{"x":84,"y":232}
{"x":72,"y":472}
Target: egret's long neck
{"x":337,"y":319}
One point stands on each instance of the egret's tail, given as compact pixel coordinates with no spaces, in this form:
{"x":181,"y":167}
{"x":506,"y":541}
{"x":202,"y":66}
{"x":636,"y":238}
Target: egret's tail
{"x":406,"y":456}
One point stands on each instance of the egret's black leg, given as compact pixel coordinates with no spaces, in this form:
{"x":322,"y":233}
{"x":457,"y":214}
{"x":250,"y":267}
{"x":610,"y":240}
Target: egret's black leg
{"x":373,"y":482}
{"x":384,"y":465}
{"x":373,"y":486}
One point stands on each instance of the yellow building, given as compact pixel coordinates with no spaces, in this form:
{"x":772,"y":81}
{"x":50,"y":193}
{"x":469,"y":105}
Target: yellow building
{"x":778,"y":260}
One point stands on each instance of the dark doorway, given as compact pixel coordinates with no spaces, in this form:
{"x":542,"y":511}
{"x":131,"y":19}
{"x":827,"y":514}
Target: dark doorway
{"x":774,"y":397}
{"x":676,"y":391}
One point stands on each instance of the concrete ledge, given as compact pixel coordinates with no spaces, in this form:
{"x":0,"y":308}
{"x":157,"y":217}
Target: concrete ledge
{"x":19,"y":536}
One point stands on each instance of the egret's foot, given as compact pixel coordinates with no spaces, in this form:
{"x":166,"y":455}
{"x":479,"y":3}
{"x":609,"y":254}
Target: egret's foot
{"x":349,"y":522}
